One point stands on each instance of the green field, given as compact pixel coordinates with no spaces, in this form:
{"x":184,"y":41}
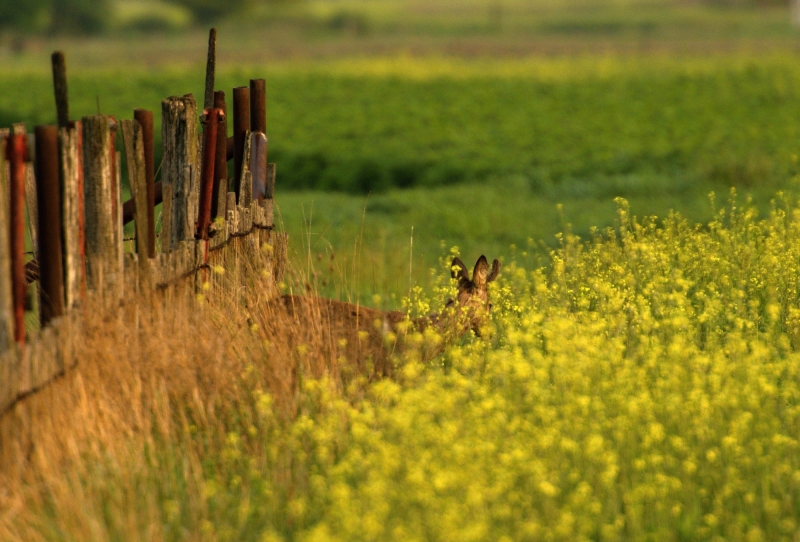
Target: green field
{"x":644,"y":386}
{"x":479,"y":153}
{"x":639,"y":378}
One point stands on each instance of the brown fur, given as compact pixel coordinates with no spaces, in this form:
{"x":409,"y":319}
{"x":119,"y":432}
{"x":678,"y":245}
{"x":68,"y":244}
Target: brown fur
{"x":368,"y":338}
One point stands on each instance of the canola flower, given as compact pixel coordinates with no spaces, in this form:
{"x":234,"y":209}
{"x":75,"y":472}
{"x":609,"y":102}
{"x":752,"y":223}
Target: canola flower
{"x":643,"y":386}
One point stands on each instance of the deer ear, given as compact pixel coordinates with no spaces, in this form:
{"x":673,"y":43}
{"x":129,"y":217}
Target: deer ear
{"x":458,"y":270}
{"x":495,"y":271}
{"x":480,"y":272}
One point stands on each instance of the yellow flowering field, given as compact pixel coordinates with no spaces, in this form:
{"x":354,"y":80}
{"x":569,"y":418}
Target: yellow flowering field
{"x":643,"y":385}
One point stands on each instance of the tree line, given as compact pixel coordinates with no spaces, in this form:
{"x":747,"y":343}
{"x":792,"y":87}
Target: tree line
{"x":94,"y":16}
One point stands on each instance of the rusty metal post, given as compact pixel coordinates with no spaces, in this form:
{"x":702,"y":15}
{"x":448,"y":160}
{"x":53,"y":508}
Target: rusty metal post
{"x":258,"y":106}
{"x":16,"y":152}
{"x":211,"y":65}
{"x":258,"y":143}
{"x":241,"y":125}
{"x":6,"y":289}
{"x":145,"y":120}
{"x":48,"y":192}
{"x":60,"y":88}
{"x":221,"y":162}
{"x":211,"y":119}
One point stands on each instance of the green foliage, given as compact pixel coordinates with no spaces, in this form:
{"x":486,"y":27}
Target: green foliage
{"x":24,"y":17}
{"x":55,"y":16}
{"x":598,"y":127}
{"x":80,"y":16}
{"x":209,"y":11}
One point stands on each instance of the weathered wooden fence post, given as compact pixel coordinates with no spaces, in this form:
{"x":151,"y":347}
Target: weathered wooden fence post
{"x":51,"y":271}
{"x":72,"y":201}
{"x":133,"y":138}
{"x":116,"y":196}
{"x":101,"y":230}
{"x":145,"y":120}
{"x":179,"y":168}
{"x":6,"y":293}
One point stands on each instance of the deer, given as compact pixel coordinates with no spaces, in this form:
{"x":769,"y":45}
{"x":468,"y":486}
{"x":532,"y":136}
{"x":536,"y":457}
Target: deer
{"x":365,"y":340}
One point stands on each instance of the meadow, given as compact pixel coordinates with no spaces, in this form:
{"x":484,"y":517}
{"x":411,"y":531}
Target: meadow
{"x":643,"y":385}
{"x":368,"y":148}
{"x":634,"y":169}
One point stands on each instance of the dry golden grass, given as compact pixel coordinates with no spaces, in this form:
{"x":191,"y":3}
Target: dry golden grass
{"x":147,"y":373}
{"x":149,"y":376}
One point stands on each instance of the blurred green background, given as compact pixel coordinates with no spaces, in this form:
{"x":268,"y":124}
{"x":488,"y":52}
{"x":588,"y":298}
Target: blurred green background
{"x":490,"y":125}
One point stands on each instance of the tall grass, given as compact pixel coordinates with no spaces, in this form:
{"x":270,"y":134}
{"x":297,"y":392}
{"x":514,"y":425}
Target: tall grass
{"x":643,"y":385}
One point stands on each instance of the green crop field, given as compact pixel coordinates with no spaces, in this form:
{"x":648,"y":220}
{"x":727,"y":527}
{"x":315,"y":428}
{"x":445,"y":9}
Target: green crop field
{"x":634,"y":164}
{"x":479,"y":153}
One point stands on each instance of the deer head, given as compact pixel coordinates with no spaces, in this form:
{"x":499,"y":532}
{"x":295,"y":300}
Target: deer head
{"x":472,"y":299}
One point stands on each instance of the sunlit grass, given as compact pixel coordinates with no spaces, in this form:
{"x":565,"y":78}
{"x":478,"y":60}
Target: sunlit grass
{"x":641,"y":385}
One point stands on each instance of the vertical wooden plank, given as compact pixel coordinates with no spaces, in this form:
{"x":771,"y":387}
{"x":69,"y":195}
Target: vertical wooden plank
{"x":51,"y":271}
{"x":32,"y":207}
{"x":6,"y":296}
{"x":72,"y":213}
{"x":116,"y":208}
{"x":179,"y":164}
{"x":145,"y":119}
{"x":133,"y":138}
{"x":233,"y":226}
{"x":100,"y":227}
{"x":166,"y":218}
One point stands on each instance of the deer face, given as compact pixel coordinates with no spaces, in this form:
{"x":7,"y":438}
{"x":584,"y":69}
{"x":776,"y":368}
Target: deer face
{"x":472,"y":298}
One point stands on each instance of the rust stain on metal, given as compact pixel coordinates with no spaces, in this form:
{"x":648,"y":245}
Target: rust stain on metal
{"x":16,"y":151}
{"x":258,"y":106}
{"x":221,"y":163}
{"x":211,"y":119}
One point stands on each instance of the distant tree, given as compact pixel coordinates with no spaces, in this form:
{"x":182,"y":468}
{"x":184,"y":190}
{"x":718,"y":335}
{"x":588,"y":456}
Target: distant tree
{"x":19,"y":17}
{"x":25,"y":17}
{"x":208,"y":11}
{"x":79,"y":16}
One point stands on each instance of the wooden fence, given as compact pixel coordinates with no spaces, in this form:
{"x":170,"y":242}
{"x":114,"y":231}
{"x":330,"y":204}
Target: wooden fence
{"x":67,"y":180}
